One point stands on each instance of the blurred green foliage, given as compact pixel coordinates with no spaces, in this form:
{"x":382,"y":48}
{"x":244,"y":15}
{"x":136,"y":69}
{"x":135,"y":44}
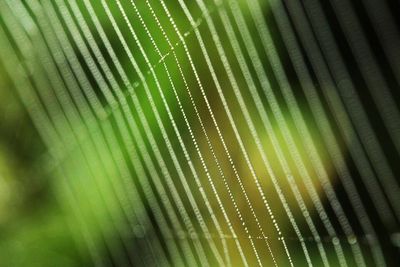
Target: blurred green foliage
{"x":41,"y":226}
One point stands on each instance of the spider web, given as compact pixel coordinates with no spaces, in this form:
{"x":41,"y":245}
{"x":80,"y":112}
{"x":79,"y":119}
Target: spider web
{"x":215,"y":133}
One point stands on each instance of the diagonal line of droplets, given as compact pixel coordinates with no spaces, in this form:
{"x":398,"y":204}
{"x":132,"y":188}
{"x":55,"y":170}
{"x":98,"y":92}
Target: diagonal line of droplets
{"x":200,"y":155}
{"x":192,"y":101}
{"x":209,"y":143}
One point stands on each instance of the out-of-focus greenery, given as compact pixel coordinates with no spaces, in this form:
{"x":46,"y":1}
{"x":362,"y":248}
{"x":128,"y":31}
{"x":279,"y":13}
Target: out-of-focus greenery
{"x":41,"y":226}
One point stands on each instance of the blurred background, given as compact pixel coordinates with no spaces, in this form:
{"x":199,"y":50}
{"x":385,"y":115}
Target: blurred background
{"x":199,"y":133}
